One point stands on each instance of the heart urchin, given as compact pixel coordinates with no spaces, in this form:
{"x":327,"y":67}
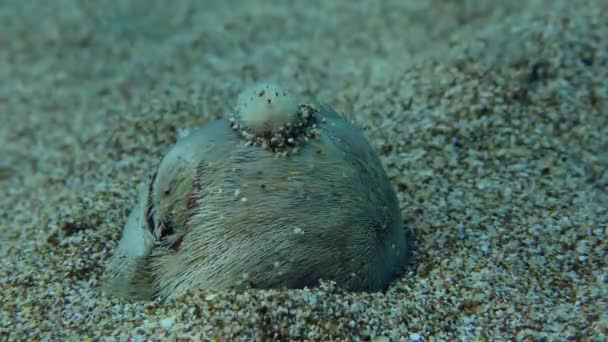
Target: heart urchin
{"x":278,"y":194}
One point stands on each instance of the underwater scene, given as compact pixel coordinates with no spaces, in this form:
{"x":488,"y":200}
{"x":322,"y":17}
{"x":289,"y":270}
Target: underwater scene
{"x":346,"y":170}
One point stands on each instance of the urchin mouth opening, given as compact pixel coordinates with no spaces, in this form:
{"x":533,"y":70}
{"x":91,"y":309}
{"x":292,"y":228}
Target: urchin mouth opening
{"x":164,"y":231}
{"x":287,"y":138}
{"x":149,"y":212}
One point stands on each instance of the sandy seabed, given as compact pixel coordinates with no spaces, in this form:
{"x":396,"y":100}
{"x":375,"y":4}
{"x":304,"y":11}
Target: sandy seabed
{"x":491,"y":119}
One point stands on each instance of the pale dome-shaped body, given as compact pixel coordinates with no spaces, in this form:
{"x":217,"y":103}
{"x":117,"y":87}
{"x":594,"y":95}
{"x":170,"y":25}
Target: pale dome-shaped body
{"x":226,"y":211}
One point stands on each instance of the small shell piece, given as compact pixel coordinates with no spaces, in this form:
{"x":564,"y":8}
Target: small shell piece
{"x":128,"y":274}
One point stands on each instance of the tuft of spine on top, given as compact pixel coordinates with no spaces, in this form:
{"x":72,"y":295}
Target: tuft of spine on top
{"x":270,"y":116}
{"x":266,"y":107}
